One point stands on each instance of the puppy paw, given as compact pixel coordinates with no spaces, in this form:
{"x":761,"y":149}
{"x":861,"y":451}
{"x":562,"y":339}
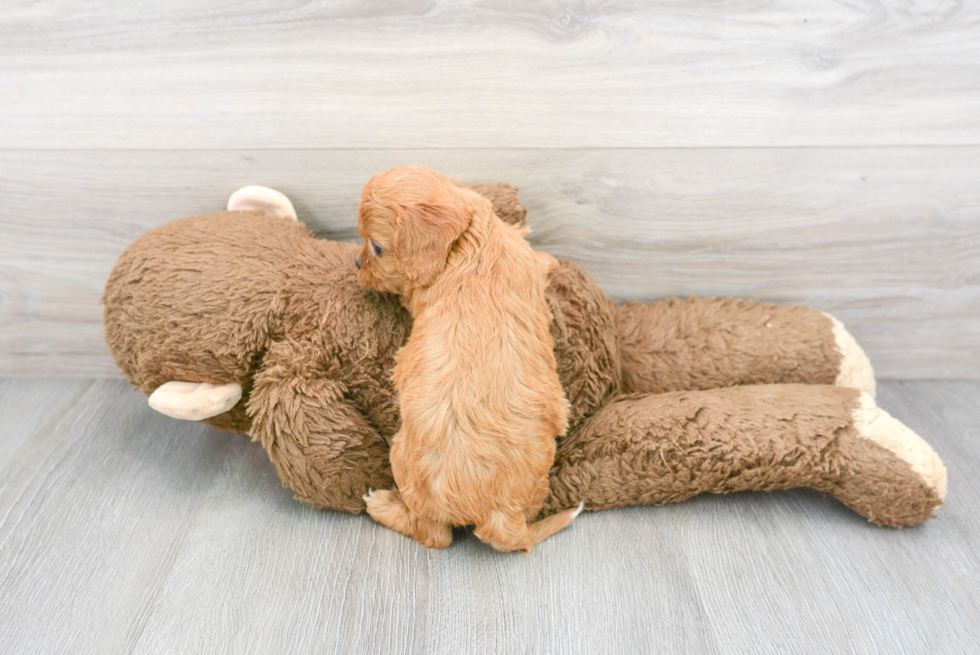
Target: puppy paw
{"x":381,"y":501}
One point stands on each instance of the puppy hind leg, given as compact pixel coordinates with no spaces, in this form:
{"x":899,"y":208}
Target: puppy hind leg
{"x":389,"y":509}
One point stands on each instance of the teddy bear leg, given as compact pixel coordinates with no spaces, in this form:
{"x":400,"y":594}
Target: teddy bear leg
{"x":709,"y":343}
{"x":661,"y":448}
{"x":262,"y":198}
{"x":389,"y":509}
{"x":322,"y":447}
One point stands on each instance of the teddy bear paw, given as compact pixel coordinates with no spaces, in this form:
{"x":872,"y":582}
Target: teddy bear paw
{"x":877,"y":425}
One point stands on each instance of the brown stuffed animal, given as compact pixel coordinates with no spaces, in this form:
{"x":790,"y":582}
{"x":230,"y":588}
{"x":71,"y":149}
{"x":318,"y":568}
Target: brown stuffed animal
{"x":244,"y":320}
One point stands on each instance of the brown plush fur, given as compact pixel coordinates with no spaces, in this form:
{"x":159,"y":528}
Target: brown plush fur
{"x":283,"y":315}
{"x":481,"y":403}
{"x":673,"y":345}
{"x":776,"y":436}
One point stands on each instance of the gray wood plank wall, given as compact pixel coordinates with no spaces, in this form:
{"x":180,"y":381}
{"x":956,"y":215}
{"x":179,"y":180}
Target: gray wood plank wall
{"x":824,"y":153}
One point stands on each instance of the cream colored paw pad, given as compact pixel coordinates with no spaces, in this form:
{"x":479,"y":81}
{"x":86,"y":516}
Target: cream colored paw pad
{"x":877,"y":425}
{"x":193,"y":401}
{"x":855,"y":367}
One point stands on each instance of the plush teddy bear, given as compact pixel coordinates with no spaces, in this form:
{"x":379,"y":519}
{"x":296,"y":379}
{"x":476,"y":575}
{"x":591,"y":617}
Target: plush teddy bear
{"x":244,"y":320}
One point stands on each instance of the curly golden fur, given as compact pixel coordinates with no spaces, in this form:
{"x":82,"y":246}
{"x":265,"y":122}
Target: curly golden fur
{"x":477,"y":385}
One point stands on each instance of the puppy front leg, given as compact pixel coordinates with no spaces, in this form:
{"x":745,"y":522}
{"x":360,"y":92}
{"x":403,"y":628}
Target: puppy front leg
{"x":388,"y":509}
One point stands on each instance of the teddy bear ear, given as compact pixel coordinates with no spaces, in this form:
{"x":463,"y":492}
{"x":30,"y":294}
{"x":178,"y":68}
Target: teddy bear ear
{"x":506,"y":202}
{"x":424,"y":235}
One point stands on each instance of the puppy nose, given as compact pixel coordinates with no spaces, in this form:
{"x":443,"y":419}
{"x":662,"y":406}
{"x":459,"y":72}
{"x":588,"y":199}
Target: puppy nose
{"x":358,"y":262}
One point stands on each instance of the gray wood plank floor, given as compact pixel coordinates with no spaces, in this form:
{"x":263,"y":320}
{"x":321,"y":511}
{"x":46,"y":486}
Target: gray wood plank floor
{"x":124,"y":531}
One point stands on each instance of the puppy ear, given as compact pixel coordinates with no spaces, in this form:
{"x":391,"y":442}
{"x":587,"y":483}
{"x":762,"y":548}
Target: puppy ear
{"x":424,"y":234}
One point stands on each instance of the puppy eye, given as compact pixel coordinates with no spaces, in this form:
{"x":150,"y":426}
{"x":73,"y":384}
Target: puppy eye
{"x":378,"y":250}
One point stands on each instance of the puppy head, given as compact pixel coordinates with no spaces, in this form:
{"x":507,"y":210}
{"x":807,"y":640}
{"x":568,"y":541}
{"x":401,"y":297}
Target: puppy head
{"x":410,"y":217}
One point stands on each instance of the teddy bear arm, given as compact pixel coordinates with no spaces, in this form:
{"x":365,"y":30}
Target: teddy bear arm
{"x":661,"y":448}
{"x":709,"y":343}
{"x":323,"y":448}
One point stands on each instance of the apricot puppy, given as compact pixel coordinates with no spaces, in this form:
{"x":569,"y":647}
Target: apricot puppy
{"x":480,"y":398}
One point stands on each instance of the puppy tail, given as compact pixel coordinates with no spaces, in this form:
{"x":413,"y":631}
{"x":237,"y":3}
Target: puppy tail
{"x":510,"y":532}
{"x":541,"y":530}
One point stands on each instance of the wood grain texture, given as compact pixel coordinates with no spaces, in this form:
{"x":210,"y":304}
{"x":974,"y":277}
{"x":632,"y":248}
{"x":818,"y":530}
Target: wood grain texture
{"x":886,"y":239}
{"x":124,"y":531}
{"x":221,"y":74}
